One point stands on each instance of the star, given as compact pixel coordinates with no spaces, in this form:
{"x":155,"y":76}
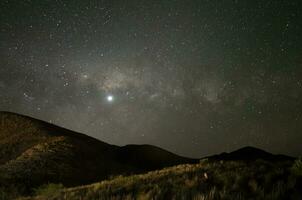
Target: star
{"x":179,"y":75}
{"x":110,"y":98}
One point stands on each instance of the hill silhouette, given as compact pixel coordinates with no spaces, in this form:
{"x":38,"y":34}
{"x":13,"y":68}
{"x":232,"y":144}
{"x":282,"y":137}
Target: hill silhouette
{"x":250,"y":153}
{"x":33,"y":152}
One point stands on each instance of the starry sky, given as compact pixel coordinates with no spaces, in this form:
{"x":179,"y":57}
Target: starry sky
{"x":195,"y":77}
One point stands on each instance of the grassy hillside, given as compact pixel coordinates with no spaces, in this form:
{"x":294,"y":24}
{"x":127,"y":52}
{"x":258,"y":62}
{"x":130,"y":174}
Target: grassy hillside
{"x":209,"y":180}
{"x":33,"y":153}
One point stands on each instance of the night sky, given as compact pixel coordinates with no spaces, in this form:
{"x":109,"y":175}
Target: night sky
{"x":193,"y":77}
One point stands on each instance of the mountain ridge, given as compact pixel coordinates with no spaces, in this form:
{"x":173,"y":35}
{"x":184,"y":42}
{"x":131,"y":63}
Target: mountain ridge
{"x":34,"y":152}
{"x":249,"y":153}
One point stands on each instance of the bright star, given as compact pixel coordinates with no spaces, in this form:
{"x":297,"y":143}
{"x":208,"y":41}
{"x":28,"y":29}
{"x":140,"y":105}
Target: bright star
{"x":110,"y":98}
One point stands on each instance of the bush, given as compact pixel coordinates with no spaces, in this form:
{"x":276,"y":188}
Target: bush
{"x":48,"y":189}
{"x":297,"y":167}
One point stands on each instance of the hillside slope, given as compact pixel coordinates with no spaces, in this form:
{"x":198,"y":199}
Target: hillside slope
{"x":208,"y":180}
{"x":33,"y":152}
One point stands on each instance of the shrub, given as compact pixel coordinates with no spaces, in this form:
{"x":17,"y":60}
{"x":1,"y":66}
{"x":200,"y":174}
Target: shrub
{"x":297,"y":167}
{"x":48,"y":189}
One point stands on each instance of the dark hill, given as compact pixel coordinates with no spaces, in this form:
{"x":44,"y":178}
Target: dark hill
{"x":250,"y":153}
{"x":33,"y":152}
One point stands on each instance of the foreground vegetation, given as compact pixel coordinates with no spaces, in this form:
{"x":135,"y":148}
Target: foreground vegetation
{"x":207,"y":180}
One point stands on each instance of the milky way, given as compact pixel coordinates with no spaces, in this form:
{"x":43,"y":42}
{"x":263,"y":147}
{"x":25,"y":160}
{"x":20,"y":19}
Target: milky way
{"x":193,"y":77}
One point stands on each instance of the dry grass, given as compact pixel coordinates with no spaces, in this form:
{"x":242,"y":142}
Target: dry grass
{"x":205,"y":181}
